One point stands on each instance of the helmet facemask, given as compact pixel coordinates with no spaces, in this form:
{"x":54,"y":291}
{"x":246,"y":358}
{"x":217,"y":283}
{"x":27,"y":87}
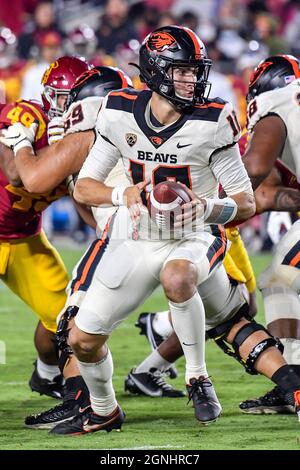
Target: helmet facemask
{"x":191,"y":80}
{"x":51,"y":96}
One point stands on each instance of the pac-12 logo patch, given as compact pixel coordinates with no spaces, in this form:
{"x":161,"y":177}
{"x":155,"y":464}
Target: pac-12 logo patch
{"x":131,"y":139}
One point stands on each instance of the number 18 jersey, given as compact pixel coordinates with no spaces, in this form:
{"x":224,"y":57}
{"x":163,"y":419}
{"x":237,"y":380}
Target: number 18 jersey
{"x":199,"y":149}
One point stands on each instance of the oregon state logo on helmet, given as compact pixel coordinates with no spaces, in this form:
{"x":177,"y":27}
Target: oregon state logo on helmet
{"x":160,"y":41}
{"x":258,"y":71}
{"x":85,"y":75}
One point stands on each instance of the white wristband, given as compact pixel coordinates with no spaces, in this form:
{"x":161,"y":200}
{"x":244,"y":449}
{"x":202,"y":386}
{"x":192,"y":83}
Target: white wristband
{"x":220,"y":211}
{"x":20,"y":145}
{"x":117,"y":195}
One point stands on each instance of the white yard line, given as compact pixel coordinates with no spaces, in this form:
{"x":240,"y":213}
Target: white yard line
{"x":167,"y":446}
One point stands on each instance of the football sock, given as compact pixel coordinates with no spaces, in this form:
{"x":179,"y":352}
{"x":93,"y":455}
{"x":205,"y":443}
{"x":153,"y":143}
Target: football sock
{"x":286,"y":379}
{"x":98,"y":378}
{"x":154,"y":360}
{"x":162,"y":325}
{"x":75,"y":388}
{"x":46,"y":371}
{"x":189,"y":324}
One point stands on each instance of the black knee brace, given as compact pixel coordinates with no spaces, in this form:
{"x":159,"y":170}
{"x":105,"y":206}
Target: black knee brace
{"x":61,"y":336}
{"x":241,"y":336}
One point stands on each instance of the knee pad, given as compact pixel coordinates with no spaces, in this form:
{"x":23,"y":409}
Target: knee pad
{"x":223,"y":328}
{"x":241,"y":336}
{"x":62,"y":334}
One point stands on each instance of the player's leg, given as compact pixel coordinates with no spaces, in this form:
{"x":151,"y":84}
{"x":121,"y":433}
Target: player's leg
{"x":76,"y":392}
{"x":280,"y":287}
{"x":189,"y":265}
{"x":36,"y":274}
{"x":225,"y":304}
{"x":252,"y":345}
{"x":121,"y":282}
{"x":157,"y":326}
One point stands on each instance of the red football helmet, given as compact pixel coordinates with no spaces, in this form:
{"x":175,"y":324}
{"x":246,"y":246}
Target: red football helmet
{"x":58,"y":79}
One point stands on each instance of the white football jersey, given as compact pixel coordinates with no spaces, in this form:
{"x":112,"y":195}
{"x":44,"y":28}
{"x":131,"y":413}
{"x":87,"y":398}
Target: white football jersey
{"x":285,"y":103}
{"x":200,"y":149}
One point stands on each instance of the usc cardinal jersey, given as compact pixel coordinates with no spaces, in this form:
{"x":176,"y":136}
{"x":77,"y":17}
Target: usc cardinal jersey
{"x":199,"y":149}
{"x":20,"y":211}
{"x":285,"y":103}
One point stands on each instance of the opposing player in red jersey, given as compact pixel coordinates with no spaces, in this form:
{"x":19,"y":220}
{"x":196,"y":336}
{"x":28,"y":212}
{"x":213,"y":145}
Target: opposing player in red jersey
{"x":29,"y":265}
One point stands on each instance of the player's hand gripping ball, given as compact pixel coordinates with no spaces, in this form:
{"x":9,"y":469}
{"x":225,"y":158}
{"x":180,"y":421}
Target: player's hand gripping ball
{"x":164,"y":203}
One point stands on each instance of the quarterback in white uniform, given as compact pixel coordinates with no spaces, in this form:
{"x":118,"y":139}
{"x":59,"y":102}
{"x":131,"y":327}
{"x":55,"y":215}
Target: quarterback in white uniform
{"x":273,"y":157}
{"x":160,"y":135}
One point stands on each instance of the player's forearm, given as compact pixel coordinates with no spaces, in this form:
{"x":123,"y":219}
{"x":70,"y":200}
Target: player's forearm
{"x":8,"y":166}
{"x":92,"y":192}
{"x":278,"y":199}
{"x":39,"y":175}
{"x":43,"y":171}
{"x":28,"y":168}
{"x":86,"y":214}
{"x":245,"y":206}
{"x":287,"y":200}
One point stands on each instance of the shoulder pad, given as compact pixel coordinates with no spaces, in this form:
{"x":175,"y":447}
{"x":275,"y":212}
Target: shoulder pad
{"x":122,"y":99}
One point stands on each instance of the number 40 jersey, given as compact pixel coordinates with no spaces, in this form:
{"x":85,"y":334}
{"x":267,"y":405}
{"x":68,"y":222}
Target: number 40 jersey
{"x":20,"y":211}
{"x":199,"y":149}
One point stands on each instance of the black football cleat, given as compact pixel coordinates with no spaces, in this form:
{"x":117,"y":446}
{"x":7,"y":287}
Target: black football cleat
{"x":273,"y":402}
{"x":206,"y":404}
{"x":88,"y":421}
{"x":297,"y":403}
{"x":293,"y":399}
{"x":52,"y":388}
{"x":73,"y":404}
{"x":150,"y":383}
{"x":145,"y":323}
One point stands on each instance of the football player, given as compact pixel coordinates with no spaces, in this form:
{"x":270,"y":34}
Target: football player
{"x":30,"y":266}
{"x":42,"y":174}
{"x":272,"y":161}
{"x":174,"y":65}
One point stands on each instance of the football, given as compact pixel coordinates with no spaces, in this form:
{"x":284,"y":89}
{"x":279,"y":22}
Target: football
{"x":164,"y":203}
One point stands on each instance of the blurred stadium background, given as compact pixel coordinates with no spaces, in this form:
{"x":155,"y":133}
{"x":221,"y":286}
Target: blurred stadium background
{"x":238,"y":34}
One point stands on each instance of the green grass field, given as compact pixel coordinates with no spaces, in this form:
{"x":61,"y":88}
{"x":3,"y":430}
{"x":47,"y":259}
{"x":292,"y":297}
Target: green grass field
{"x":151,"y":423}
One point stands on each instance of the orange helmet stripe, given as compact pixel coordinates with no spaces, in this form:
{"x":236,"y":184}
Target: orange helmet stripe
{"x":195,"y":40}
{"x":293,"y":64}
{"x":123,"y":78}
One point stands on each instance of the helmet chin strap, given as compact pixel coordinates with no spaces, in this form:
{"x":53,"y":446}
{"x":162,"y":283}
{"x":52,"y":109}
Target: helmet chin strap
{"x":183,"y":97}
